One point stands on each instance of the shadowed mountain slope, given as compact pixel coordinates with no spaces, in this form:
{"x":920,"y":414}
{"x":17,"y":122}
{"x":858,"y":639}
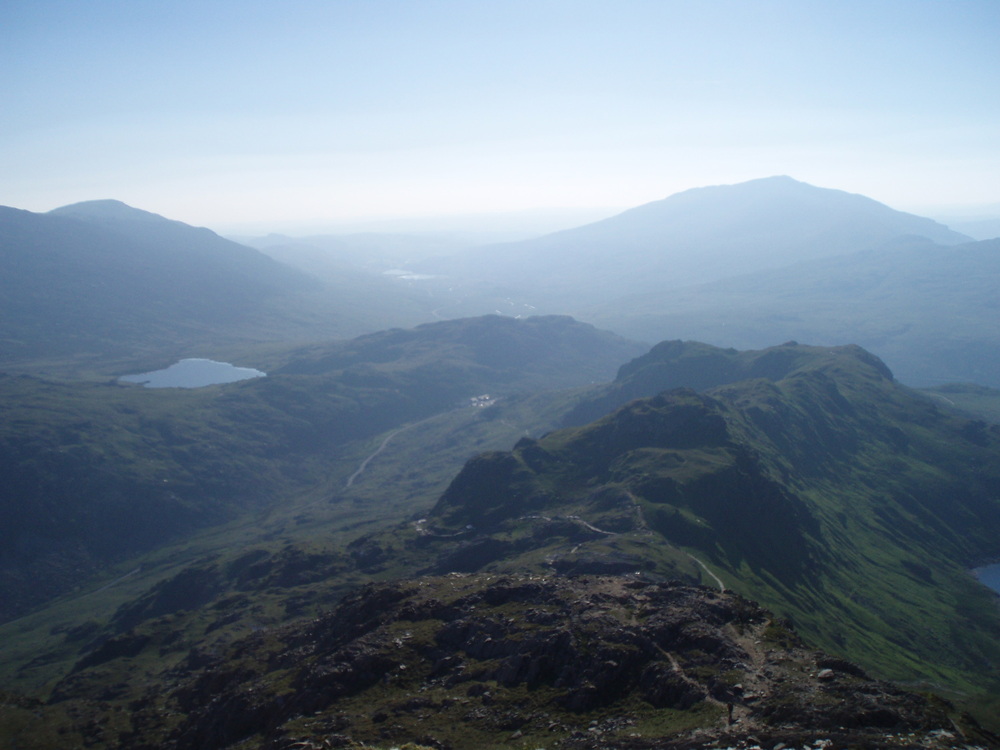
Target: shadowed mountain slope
{"x":104,"y":278}
{"x":88,"y":286}
{"x":692,"y":364}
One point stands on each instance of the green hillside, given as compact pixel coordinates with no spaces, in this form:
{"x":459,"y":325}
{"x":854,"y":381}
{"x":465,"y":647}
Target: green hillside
{"x":969,"y":399}
{"x":831,"y":493}
{"x":99,"y":472}
{"x":805,"y":478}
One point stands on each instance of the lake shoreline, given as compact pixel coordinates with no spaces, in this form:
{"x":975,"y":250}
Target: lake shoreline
{"x":193,"y":373}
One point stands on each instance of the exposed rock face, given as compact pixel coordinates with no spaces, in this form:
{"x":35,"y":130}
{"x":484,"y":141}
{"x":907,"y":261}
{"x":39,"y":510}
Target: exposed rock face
{"x":466,"y":660}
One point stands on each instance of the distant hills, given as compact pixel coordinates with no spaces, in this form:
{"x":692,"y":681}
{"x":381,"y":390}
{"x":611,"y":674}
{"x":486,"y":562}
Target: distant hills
{"x":980,"y":229}
{"x":928,"y":310}
{"x":696,"y":236}
{"x":765,"y":261}
{"x":100,"y":281}
{"x":329,"y":257}
{"x":539,"y":353}
{"x":99,"y":285}
{"x":103,"y":279}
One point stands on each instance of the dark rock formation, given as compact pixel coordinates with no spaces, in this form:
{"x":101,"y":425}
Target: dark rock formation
{"x":466,"y":660}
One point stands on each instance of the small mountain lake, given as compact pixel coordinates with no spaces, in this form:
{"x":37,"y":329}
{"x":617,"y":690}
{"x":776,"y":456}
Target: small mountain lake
{"x":990,"y":575}
{"x":193,"y":373}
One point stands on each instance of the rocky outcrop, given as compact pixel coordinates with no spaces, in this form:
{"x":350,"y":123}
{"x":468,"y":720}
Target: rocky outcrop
{"x":464,"y":660}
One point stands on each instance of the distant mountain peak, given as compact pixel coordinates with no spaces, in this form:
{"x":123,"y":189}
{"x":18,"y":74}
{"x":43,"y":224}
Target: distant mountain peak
{"x":107,"y":209}
{"x":777,"y":179}
{"x":774,"y":203}
{"x":776,"y":187}
{"x":693,"y":237}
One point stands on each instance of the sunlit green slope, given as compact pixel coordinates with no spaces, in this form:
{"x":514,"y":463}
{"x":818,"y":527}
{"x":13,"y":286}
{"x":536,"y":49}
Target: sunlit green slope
{"x":830,"y":493}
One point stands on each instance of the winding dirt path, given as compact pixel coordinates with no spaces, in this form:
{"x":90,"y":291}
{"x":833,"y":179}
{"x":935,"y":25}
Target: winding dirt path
{"x":390,"y":436}
{"x":364,"y":464}
{"x":722,"y":586}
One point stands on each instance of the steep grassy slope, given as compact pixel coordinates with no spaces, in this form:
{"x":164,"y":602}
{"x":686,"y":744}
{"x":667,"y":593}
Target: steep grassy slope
{"x":832,"y":494}
{"x":298,"y":552}
{"x":97,"y":473}
{"x":692,"y":364}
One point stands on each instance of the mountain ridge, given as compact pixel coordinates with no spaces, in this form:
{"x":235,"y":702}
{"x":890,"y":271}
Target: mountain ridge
{"x":75,"y":287}
{"x":732,"y":229}
{"x":110,"y":210}
{"x":810,"y":493}
{"x":700,"y":366}
{"x":613,"y":272}
{"x":744,"y":203}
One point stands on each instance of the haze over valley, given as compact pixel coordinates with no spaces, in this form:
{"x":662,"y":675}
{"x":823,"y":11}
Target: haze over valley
{"x":745,"y":265}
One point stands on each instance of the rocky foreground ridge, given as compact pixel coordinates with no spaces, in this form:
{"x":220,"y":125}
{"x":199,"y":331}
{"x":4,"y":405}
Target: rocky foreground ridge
{"x":464,"y":661}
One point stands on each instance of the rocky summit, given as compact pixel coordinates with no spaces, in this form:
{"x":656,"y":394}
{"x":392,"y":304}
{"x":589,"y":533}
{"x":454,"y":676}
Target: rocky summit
{"x":498,"y":661}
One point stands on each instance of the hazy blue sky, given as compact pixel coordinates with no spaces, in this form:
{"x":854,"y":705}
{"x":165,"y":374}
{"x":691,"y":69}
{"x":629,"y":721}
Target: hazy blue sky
{"x":224,"y":113}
